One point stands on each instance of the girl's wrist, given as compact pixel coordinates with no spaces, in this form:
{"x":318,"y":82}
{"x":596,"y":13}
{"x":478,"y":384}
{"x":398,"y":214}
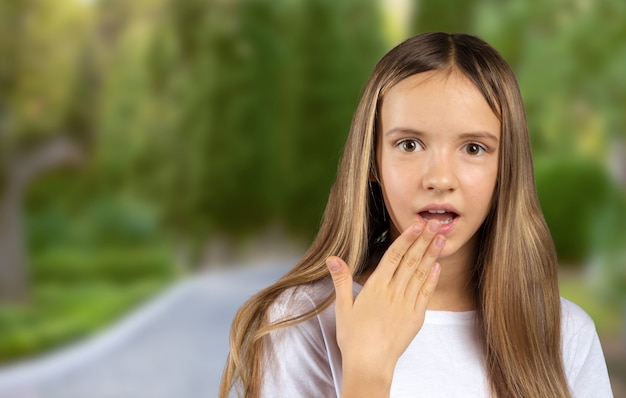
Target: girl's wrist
{"x":361,"y":380}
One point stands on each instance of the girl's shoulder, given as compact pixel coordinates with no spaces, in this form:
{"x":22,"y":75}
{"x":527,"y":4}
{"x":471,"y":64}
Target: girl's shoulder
{"x":583,"y":359}
{"x":301,"y":299}
{"x":301,"y":357}
{"x":574,"y":318}
{"x":578,"y":329}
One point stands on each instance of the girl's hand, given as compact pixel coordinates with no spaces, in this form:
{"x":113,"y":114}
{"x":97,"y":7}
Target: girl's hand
{"x":375,"y":329}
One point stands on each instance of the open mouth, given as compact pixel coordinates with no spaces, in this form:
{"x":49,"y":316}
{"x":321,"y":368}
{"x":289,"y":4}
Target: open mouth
{"x":444,"y":217}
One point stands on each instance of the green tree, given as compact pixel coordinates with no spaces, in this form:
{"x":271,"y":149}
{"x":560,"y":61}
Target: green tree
{"x":452,"y":16}
{"x":43,"y":114}
{"x":260,"y":97}
{"x":219,"y":70}
{"x":568,"y":58}
{"x":130,"y":121}
{"x":338,"y":46}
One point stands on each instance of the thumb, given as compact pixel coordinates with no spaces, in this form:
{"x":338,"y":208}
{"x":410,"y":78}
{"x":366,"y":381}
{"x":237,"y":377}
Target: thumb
{"x":342,"y":279}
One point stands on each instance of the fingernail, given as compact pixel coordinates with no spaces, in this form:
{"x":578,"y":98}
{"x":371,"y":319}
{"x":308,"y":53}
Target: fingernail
{"x":436,"y":268}
{"x":434,"y":226}
{"x":440,"y":241}
{"x":417,"y":228}
{"x":333,"y":264}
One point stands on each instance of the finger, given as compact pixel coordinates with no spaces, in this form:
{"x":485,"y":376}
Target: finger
{"x":413,"y":257}
{"x":424,"y":268}
{"x":342,"y":281}
{"x":428,"y":288}
{"x":395,"y":253}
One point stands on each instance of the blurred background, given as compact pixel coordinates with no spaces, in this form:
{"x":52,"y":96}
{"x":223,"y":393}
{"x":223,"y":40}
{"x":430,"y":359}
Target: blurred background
{"x":145,"y":141}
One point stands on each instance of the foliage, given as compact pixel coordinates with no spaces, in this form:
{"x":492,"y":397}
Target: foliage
{"x":43,"y":102}
{"x":58,"y":315}
{"x":572,"y":192}
{"x":108,"y":240}
{"x":60,"y":216}
{"x":268,"y":89}
{"x":569,"y":58}
{"x":38,"y":99}
{"x":90,"y":263}
{"x":334,"y":59}
{"x":444,"y":16}
{"x":69,"y":265}
{"x":608,"y":258}
{"x":88,"y":268}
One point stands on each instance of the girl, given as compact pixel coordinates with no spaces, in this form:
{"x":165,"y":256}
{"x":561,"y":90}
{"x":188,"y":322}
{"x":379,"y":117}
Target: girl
{"x":443,"y":275}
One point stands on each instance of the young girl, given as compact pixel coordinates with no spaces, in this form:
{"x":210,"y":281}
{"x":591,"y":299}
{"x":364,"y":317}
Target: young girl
{"x":433,"y":273}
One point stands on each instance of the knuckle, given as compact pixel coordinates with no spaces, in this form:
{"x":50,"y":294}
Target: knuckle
{"x":420,"y":275}
{"x":411,"y":261}
{"x":426,"y":292}
{"x":427,"y":237}
{"x":430,"y":256}
{"x":395,"y":255}
{"x":432,"y":253}
{"x":340,"y":279}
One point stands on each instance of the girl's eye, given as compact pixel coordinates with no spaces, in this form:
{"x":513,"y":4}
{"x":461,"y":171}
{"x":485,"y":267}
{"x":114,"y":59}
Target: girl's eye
{"x":474,"y":149}
{"x":409,"y":145}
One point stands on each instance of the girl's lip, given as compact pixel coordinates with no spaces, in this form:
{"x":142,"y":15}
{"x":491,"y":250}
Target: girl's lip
{"x":442,"y":206}
{"x":445,"y":228}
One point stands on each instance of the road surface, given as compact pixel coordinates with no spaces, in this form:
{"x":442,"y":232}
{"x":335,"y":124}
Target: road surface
{"x":173,"y":347}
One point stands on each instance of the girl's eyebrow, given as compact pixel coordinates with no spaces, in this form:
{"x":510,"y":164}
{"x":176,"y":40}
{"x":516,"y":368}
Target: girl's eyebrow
{"x":480,"y":135}
{"x":402,"y":130}
{"x":474,"y":135}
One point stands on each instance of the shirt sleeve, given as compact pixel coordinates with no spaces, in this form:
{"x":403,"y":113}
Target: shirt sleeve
{"x":296,"y":360}
{"x":584,"y":361}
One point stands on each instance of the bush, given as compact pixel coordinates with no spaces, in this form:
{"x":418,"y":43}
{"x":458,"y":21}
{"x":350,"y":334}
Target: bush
{"x":120,"y":223}
{"x":89,"y":264}
{"x":60,"y":314}
{"x":104,"y":222}
{"x":115,"y":265}
{"x":572,"y":192}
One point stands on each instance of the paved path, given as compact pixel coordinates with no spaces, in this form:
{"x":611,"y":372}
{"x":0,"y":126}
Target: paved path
{"x":174,"y":347}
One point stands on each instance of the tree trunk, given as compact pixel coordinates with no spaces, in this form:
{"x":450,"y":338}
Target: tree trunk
{"x":13,"y":271}
{"x":19,"y":171}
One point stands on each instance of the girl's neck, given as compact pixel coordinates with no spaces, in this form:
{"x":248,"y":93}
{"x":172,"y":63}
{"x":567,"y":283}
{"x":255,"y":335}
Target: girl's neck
{"x":454,"y":290}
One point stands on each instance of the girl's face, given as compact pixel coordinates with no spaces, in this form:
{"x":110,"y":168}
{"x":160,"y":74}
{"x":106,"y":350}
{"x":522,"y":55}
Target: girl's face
{"x":437,"y":157}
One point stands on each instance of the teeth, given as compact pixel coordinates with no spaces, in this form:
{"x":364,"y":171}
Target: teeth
{"x":442,"y":222}
{"x":439,"y":212}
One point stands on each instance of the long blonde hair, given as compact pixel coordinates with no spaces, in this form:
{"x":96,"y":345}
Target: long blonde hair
{"x":515,"y":276}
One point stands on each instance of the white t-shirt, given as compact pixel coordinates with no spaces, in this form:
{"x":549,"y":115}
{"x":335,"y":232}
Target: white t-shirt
{"x":444,"y":359}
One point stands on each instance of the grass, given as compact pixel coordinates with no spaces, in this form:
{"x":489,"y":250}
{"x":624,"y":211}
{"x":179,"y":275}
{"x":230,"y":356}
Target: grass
{"x":59,"y":314}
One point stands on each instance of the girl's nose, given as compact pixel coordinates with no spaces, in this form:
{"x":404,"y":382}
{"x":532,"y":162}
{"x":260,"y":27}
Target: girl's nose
{"x":439,"y":174}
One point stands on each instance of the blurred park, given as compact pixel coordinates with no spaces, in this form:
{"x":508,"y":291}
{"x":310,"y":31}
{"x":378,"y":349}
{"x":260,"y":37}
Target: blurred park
{"x":145,"y":141}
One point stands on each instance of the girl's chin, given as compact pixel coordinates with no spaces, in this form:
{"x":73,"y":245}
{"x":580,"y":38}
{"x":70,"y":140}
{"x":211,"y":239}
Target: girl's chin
{"x":446,"y":253}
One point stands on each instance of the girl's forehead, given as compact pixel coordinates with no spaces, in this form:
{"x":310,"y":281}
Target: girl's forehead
{"x":437,"y":101}
{"x":449,"y":77}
